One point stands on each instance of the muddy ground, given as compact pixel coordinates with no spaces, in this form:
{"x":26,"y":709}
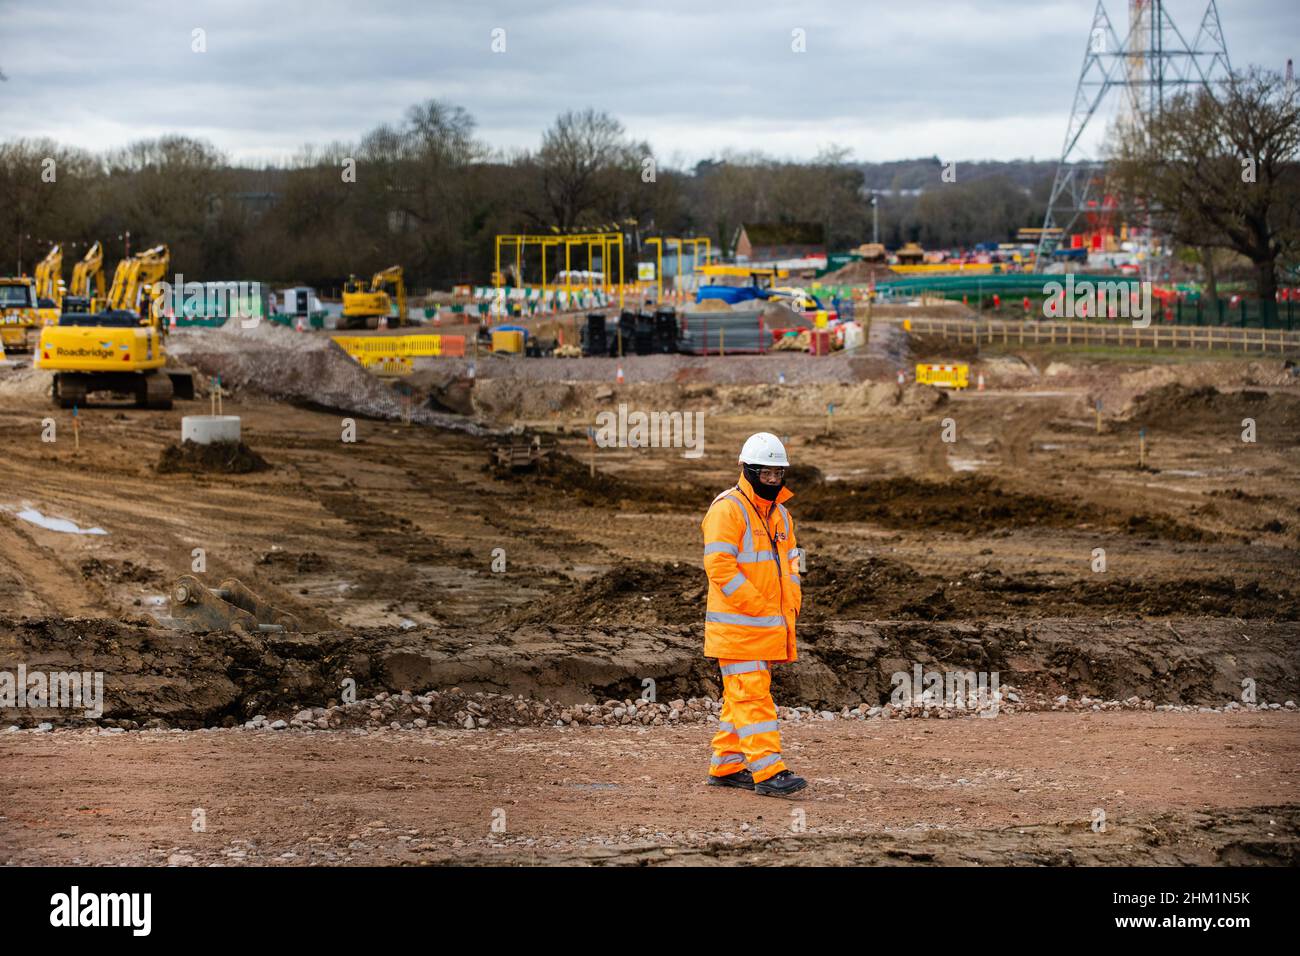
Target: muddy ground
{"x":1033,"y":543}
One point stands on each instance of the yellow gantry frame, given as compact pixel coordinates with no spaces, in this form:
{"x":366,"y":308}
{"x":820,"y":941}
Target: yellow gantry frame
{"x":694,"y":243}
{"x":606,"y":242}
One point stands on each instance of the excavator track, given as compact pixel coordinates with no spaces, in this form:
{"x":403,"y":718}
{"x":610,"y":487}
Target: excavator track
{"x":155,"y":391}
{"x":70,"y":390}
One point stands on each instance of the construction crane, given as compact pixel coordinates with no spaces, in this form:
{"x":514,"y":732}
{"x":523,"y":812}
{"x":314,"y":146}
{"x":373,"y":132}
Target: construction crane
{"x":119,"y":350}
{"x":86,"y":290}
{"x":365,"y":306}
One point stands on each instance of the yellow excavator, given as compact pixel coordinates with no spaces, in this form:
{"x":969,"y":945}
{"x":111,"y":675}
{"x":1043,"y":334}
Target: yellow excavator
{"x":49,"y":278}
{"x":86,"y":290}
{"x":134,"y":277}
{"x":119,"y":350}
{"x":19,"y":315}
{"x":364,"y":306}
{"x":29,"y":302}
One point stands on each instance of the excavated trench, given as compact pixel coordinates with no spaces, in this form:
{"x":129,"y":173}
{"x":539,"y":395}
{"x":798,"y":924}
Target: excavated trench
{"x":192,"y":680}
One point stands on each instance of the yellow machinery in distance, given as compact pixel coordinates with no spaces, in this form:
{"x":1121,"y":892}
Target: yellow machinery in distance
{"x":364,"y":306}
{"x":88,"y":280}
{"x":134,"y":277}
{"x":119,"y":350}
{"x":49,"y":276}
{"x":49,"y":286}
{"x":19,"y":318}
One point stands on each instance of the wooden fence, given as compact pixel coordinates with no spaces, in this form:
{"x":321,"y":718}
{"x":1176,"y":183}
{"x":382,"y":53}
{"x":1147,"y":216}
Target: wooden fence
{"x":999,"y":331}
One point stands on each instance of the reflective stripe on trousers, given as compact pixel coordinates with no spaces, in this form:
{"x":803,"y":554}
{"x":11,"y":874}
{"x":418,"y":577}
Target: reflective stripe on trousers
{"x":748,"y":730}
{"x":744,"y":620}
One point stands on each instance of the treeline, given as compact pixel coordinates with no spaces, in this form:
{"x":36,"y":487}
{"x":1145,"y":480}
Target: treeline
{"x":429,"y":194}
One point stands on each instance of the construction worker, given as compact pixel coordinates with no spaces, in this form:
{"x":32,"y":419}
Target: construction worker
{"x":754,"y":598}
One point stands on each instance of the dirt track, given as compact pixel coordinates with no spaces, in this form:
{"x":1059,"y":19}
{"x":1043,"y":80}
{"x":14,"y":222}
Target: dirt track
{"x":1174,"y":789}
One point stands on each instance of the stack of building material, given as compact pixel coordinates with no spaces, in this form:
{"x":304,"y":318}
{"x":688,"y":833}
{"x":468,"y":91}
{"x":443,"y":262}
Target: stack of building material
{"x":708,"y":332}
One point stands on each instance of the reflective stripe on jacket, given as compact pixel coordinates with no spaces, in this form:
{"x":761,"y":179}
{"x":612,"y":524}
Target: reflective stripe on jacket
{"x":751,"y":559}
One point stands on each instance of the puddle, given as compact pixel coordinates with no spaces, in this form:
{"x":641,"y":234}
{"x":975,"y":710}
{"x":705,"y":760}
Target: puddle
{"x":32,"y":516}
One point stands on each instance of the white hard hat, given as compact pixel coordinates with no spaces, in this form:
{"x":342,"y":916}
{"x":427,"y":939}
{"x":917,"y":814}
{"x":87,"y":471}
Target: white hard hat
{"x":764,"y":448}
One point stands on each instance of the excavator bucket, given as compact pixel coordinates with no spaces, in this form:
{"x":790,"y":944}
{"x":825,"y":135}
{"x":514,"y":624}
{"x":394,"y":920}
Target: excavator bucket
{"x":182,"y":383}
{"x":231,"y":606}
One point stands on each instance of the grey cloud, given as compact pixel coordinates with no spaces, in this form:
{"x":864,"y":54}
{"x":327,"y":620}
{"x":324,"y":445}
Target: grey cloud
{"x":925,"y":77}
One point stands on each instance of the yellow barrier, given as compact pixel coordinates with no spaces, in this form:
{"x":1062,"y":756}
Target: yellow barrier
{"x":943,"y":376}
{"x":389,"y":364}
{"x":373,"y":347}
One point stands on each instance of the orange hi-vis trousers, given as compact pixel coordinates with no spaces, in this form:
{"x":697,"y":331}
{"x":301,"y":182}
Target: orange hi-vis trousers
{"x":748,"y":732}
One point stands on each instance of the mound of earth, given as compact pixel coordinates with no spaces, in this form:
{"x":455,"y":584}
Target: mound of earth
{"x":1182,"y":408}
{"x":231,"y":458}
{"x":308,"y":562}
{"x":572,"y":478}
{"x":880,"y":589}
{"x":967,"y":503}
{"x":119,"y":572}
{"x":299,"y":367}
{"x":970,"y":504}
{"x":877,"y":589}
{"x":628,"y":594}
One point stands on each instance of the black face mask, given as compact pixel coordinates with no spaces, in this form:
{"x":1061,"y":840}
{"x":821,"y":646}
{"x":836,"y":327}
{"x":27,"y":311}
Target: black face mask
{"x":766,"y":492}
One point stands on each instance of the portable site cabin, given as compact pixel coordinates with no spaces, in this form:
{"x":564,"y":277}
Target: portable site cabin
{"x":300,"y":301}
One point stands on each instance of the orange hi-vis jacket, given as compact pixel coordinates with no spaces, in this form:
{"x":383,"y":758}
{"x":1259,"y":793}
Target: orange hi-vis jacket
{"x":752,"y":561}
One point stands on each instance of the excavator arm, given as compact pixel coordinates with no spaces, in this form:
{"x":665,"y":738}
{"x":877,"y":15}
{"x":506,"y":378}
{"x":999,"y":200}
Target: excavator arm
{"x":89,"y":271}
{"x":49,"y":275}
{"x":392,"y":276}
{"x":135,"y":274}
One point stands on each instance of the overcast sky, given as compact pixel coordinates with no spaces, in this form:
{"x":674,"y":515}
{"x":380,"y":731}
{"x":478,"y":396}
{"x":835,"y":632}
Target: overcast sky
{"x":888,"y":80}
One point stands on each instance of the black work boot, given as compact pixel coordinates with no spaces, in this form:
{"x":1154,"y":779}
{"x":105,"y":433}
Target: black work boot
{"x":783,"y":784}
{"x":741,"y":778}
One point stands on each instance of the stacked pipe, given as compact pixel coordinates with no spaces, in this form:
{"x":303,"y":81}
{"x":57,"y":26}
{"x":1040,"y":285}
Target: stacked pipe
{"x":738,"y":330}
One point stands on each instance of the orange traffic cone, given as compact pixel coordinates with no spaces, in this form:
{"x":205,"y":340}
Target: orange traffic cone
{"x":979,"y":382}
{"x":620,"y":375}
{"x":297,"y":325}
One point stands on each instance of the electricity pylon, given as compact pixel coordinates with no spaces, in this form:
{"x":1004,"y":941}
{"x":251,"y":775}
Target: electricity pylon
{"x":1153,"y":63}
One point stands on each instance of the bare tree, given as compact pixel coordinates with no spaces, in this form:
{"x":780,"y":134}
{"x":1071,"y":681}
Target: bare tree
{"x":577,"y":156}
{"x":1218,"y":169}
